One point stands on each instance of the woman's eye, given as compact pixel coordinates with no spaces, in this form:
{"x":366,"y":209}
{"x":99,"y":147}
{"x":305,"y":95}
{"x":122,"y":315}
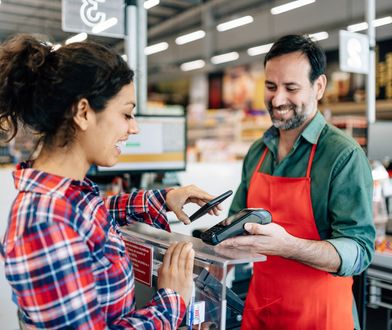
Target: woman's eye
{"x":129,"y":117}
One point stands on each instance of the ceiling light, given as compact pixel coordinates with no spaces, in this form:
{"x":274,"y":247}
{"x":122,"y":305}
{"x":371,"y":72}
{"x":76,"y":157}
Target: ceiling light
{"x":156,"y":48}
{"x":218,"y":59}
{"x":319,"y":36}
{"x":258,"y":50}
{"x":76,"y":38}
{"x":357,"y":27}
{"x":150,"y":3}
{"x":383,"y":21}
{"x":193,"y":65}
{"x":290,"y":6}
{"x":100,"y":27}
{"x":184,"y":39}
{"x":364,"y":25}
{"x":234,"y":23}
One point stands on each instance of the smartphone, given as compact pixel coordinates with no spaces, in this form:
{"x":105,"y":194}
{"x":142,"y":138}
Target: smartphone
{"x":211,"y":204}
{"x":234,"y":225}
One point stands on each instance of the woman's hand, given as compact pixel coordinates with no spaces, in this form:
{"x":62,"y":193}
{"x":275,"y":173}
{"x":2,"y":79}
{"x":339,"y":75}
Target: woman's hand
{"x":177,"y":198}
{"x":176,"y":272}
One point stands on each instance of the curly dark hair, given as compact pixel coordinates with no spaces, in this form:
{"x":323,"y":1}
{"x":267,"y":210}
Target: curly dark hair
{"x":39,"y":87}
{"x":303,"y":44}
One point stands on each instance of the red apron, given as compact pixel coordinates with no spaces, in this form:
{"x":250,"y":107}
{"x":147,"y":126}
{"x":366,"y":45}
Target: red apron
{"x":283,"y":293}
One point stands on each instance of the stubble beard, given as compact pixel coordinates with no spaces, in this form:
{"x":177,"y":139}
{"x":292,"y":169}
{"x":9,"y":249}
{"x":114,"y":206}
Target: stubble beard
{"x":300,"y":116}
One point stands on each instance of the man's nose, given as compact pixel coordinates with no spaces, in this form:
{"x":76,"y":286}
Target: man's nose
{"x":279,"y":98}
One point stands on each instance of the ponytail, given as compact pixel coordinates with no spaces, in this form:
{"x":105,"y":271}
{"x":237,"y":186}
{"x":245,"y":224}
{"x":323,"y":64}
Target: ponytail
{"x":21,"y":62}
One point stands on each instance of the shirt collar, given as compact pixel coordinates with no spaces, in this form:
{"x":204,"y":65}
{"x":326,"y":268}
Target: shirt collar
{"x":29,"y":179}
{"x":312,"y":132}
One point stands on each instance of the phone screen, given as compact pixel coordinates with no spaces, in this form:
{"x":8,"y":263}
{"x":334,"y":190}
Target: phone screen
{"x":211,"y":204}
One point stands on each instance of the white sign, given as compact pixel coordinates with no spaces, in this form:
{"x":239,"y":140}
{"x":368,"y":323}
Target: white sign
{"x":100,"y":17}
{"x":353,"y":52}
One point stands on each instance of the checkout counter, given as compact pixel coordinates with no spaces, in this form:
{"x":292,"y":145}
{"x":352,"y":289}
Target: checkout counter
{"x":214,"y":305}
{"x":379,"y":292}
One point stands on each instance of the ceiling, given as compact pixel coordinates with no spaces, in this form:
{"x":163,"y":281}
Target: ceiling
{"x":172,"y":18}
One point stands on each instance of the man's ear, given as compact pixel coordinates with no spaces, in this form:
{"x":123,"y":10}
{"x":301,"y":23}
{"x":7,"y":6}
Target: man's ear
{"x":82,"y":114}
{"x":320,"y":84}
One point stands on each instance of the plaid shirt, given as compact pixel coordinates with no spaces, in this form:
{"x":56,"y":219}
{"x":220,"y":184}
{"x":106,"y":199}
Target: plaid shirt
{"x":67,"y":263}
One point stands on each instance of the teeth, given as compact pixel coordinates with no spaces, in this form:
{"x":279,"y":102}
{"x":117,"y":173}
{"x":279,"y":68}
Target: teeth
{"x":283,"y":112}
{"x":120,"y":145}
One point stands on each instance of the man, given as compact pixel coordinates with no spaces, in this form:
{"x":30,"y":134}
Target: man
{"x":317,"y":184}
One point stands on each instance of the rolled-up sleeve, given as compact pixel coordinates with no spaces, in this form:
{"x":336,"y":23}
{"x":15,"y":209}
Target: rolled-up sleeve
{"x":350,"y":211}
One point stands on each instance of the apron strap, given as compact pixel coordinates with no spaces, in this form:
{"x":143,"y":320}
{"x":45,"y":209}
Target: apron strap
{"x":261,"y":159}
{"x":310,"y":161}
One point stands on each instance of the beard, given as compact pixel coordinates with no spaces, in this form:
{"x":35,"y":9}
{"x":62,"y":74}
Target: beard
{"x":301,"y":114}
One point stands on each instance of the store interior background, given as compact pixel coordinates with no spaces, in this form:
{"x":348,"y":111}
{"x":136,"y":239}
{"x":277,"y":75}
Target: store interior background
{"x":223,"y":102}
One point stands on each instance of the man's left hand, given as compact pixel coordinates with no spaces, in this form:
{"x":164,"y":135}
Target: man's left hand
{"x":270,"y":239}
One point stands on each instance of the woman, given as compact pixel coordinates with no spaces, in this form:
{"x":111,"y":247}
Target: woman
{"x":64,"y":257}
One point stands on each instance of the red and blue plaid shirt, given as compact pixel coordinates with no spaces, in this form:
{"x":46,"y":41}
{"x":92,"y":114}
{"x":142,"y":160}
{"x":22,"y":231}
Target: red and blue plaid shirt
{"x":66,"y":261}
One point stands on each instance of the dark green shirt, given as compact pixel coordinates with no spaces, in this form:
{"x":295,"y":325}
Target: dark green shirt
{"x":341,"y":187}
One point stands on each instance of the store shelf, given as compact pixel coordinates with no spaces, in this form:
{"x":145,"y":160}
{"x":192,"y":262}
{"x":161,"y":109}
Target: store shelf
{"x":383,"y":108}
{"x":225,"y":134}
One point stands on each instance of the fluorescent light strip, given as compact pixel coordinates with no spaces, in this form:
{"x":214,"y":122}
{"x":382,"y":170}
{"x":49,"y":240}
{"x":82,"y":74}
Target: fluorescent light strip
{"x":234,"y":23}
{"x":319,"y":36}
{"x":364,"y":25}
{"x":357,"y":27}
{"x":192,"y":65}
{"x":228,"y":57}
{"x":156,"y":48}
{"x":76,"y":38}
{"x":258,"y":50}
{"x":290,"y":6}
{"x":100,"y":27}
{"x":383,"y":21}
{"x":184,"y":39}
{"x":150,"y":3}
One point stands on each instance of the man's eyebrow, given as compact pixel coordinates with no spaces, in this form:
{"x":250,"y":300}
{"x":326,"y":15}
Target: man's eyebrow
{"x":292,"y":83}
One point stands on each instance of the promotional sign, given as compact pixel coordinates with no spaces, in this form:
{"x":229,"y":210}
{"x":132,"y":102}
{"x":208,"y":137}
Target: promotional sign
{"x":141,"y":257}
{"x":100,"y":17}
{"x":353,"y":52}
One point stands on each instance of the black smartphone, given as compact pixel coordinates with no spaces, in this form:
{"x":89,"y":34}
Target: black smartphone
{"x":208,"y":206}
{"x":234,"y":225}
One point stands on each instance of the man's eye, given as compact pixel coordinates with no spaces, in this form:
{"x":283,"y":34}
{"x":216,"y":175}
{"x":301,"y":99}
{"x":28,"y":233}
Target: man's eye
{"x":129,"y":117}
{"x":270,"y":88}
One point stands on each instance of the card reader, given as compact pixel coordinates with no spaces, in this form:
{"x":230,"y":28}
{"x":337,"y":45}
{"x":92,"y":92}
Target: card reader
{"x":234,"y":225}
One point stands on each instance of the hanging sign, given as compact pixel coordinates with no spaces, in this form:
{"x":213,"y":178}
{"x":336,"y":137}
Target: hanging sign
{"x":353,"y":52}
{"x":100,"y":17}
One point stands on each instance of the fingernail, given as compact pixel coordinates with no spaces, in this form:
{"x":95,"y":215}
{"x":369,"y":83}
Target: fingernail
{"x":248,"y":226}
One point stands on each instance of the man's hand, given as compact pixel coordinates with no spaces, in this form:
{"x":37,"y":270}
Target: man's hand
{"x":273,"y":239}
{"x":177,"y":198}
{"x":270,"y":239}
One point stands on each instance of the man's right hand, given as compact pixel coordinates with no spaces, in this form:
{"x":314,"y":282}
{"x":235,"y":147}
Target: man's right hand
{"x":176,"y":272}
